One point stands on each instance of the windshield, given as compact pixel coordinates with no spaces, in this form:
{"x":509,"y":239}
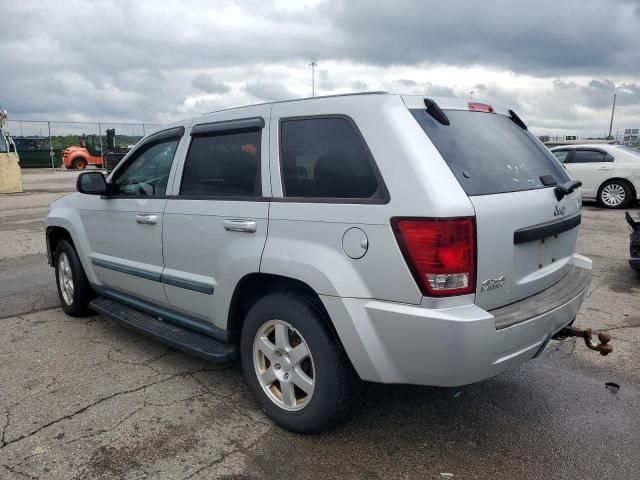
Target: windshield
{"x":488,"y":153}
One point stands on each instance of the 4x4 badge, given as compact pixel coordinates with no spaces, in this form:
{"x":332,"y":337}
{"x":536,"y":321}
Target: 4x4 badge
{"x":492,"y":283}
{"x":559,"y":210}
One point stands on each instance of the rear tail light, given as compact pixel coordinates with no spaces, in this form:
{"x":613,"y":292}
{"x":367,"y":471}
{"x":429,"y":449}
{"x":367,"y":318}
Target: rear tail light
{"x":441,"y":253}
{"x":481,"y":107}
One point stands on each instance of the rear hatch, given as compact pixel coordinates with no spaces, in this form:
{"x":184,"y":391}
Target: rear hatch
{"x":525,"y":237}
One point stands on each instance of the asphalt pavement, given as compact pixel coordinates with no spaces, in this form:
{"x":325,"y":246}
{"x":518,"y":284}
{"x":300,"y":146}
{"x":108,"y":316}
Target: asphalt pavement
{"x":86,"y":398}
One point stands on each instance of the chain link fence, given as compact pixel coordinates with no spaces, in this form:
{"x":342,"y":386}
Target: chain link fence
{"x":42,"y":143}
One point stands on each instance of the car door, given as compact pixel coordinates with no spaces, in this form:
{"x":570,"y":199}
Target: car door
{"x":591,"y":166}
{"x":124,"y":228}
{"x":215,"y":223}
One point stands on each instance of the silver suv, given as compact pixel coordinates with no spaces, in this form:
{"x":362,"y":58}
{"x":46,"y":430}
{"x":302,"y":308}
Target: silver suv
{"x":394,"y":239}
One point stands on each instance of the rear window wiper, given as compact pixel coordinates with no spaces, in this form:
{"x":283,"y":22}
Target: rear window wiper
{"x":566,"y":188}
{"x":548,"y":180}
{"x":436,"y":112}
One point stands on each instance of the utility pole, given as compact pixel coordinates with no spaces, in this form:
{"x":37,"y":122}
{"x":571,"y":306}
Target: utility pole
{"x":613,"y":109}
{"x":313,"y":66}
{"x":53,"y":166}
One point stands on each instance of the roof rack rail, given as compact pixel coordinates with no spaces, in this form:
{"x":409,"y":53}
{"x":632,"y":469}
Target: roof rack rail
{"x":355,"y":94}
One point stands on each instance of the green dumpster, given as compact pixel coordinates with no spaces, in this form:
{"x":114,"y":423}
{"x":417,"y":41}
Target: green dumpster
{"x":35,"y":152}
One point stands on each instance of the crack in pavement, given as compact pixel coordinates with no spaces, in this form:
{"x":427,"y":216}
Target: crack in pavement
{"x":624,"y":327}
{"x":18,"y":472}
{"x":238,"y":449}
{"x":6,"y":426}
{"x":38,"y":310}
{"x":93,"y":404}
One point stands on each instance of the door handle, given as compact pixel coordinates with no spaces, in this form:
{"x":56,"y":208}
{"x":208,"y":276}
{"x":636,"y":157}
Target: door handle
{"x":604,"y":168}
{"x":147,"y":219}
{"x":249,"y":226}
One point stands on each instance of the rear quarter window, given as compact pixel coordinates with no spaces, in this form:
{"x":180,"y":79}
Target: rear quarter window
{"x":488,"y":153}
{"x":326,"y":158}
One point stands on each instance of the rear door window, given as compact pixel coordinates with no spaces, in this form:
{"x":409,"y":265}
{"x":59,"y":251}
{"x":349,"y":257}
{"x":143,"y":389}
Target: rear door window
{"x":590,"y":156}
{"x":326,"y":158}
{"x":488,"y":153}
{"x":223,"y":165}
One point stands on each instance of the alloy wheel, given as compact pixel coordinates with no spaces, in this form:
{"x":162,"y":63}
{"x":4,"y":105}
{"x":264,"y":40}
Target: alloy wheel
{"x":284,"y":365}
{"x":613,"y":194}
{"x":65,"y":278}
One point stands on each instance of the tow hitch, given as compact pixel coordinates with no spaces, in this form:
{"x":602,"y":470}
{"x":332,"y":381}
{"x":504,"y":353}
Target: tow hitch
{"x":604,"y":347}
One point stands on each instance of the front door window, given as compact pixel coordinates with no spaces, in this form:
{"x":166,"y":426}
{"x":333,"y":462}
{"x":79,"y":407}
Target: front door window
{"x":148,"y":173}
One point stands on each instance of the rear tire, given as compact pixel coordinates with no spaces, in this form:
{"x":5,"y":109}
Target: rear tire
{"x":329,"y":382}
{"x":615,"y":194}
{"x":74,"y":289}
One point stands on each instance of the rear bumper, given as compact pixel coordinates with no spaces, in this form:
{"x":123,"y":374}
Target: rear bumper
{"x":399,"y":343}
{"x":635,"y":263}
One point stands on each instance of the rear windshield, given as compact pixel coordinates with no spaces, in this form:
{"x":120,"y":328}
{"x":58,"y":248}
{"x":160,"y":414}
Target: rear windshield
{"x":488,"y":153}
{"x":633,"y":151}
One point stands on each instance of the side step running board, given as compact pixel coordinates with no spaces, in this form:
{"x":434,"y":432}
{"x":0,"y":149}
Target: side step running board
{"x":180,"y":338}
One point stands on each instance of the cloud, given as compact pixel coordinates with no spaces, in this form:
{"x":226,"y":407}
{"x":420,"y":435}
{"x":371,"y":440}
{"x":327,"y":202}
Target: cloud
{"x":535,"y":38}
{"x":207,"y":84}
{"x":359,"y":86}
{"x":438,"y":90}
{"x":325,"y":81}
{"x":268,"y":91}
{"x":558,"y":63}
{"x":405,"y":82}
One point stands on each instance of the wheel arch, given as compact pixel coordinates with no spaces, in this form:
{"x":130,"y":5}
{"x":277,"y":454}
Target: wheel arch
{"x":77,"y":156}
{"x":54,"y":234}
{"x":256,"y":285}
{"x":634,"y":190}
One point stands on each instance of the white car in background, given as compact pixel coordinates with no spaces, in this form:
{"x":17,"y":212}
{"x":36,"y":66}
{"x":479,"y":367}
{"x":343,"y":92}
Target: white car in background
{"x":609,"y":173}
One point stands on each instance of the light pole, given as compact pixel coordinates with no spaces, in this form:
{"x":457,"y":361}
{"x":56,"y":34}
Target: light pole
{"x":313,"y":66}
{"x":613,"y":109}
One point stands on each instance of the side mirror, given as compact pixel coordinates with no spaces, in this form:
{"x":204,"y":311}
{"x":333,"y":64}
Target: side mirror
{"x":92,"y":183}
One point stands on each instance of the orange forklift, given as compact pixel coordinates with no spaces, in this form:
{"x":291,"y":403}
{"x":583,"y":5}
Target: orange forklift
{"x":90,"y":151}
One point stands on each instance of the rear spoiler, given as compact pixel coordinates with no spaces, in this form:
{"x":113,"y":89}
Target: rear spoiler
{"x":438,"y":114}
{"x":517,"y":120}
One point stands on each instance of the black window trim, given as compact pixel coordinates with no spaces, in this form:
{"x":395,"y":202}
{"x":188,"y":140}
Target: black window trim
{"x":218,"y":132}
{"x":608,"y":157}
{"x":382,"y":193}
{"x":227,"y":126}
{"x":174,"y":133}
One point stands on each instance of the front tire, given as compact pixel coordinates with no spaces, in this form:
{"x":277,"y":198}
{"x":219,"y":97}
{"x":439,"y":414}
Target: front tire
{"x":79,"y":163}
{"x":294,"y":364}
{"x":615,"y":194}
{"x":74,"y":289}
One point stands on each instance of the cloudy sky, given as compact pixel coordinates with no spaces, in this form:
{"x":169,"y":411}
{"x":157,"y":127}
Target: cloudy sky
{"x":557,"y":63}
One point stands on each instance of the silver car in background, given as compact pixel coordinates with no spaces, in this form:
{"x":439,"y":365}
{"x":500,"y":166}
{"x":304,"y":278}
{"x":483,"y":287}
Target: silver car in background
{"x":388,"y":238}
